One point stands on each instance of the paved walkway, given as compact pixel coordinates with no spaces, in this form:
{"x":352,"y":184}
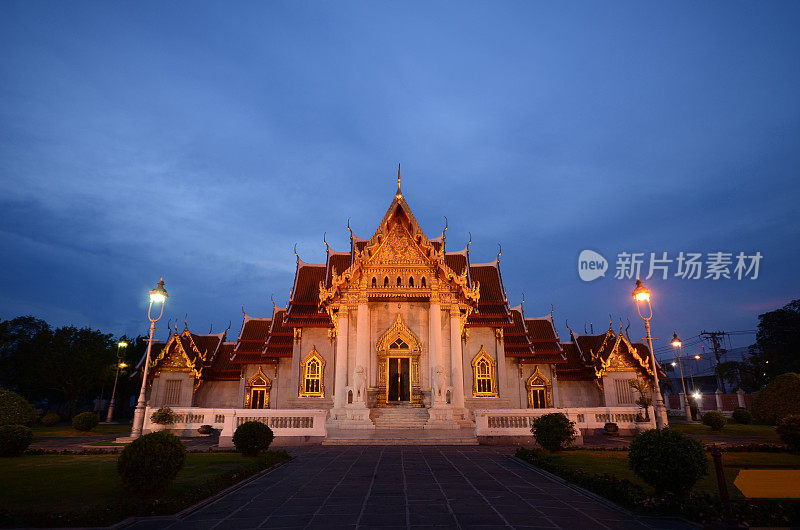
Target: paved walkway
{"x":404,"y":487}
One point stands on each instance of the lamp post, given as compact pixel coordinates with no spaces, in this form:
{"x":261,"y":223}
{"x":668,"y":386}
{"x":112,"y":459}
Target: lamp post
{"x":110,"y":415}
{"x":157,"y":296}
{"x":642,"y":294}
{"x":676,"y":343}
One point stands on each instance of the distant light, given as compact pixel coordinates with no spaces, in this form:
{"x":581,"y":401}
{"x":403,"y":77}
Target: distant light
{"x":696,"y":395}
{"x":697,"y":357}
{"x":674,"y":363}
{"x":123,"y":365}
{"x":676,"y":342}
{"x":122,"y":344}
{"x":766,"y":362}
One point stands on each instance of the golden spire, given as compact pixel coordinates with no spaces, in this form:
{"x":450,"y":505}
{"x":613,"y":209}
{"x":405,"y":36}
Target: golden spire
{"x":399,"y":193}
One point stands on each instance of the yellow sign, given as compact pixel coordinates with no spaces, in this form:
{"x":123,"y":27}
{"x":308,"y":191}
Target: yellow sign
{"x":769,"y":483}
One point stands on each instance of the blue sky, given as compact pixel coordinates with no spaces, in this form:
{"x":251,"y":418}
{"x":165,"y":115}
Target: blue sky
{"x":199,"y":141}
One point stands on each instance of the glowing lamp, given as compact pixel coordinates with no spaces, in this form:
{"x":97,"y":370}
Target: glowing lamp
{"x":122,"y":344}
{"x":159,"y":294}
{"x":697,"y":357}
{"x":641,"y":293}
{"x":674,"y":363}
{"x":696,"y":395}
{"x":123,"y":365}
{"x":676,"y":342}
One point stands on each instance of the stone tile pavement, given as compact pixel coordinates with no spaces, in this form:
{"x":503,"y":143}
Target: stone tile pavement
{"x":405,"y":487}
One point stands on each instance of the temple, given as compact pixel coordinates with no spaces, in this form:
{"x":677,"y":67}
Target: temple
{"x":400,"y":331}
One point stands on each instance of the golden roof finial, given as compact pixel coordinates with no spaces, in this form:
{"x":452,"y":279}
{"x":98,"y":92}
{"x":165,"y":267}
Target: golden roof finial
{"x":399,"y":193}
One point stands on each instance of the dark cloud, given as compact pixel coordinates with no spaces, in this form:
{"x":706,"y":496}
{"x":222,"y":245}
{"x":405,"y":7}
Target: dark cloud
{"x":202,"y":145}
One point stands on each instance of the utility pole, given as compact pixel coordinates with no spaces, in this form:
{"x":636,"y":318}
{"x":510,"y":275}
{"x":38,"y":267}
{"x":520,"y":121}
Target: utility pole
{"x":715,"y":338}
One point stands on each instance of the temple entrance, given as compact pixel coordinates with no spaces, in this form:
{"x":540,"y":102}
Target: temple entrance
{"x":399,"y":380}
{"x":398,"y":351}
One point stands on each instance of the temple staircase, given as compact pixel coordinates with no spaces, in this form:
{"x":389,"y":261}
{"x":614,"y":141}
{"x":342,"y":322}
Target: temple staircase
{"x":399,"y":417}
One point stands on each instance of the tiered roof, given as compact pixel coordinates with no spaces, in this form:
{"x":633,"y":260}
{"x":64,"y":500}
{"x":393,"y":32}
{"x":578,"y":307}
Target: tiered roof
{"x":263,"y":340}
{"x":206,"y":356}
{"x":590,"y":356}
{"x":532,"y":340}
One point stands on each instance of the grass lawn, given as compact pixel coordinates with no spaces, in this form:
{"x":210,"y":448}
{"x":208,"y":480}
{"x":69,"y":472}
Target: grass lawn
{"x":40,"y":486}
{"x":765,"y":433}
{"x":616,"y":463}
{"x":66,"y":431}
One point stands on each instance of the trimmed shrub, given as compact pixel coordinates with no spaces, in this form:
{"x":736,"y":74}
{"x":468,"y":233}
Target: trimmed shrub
{"x":14,"y":439}
{"x":553,"y":431}
{"x":50,"y":419}
{"x":778,"y":399}
{"x":85,"y":421}
{"x":149,"y":464}
{"x":15,"y":409}
{"x":743,"y":416}
{"x":667,"y":460}
{"x":789,"y":431}
{"x":252,"y":437}
{"x":163,"y":416}
{"x":714,"y":419}
{"x":205,"y":429}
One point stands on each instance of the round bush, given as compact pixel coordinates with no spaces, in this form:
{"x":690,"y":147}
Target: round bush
{"x":85,"y":421}
{"x":14,"y":439}
{"x":778,"y":399}
{"x":15,"y":409}
{"x":50,"y":419}
{"x":163,"y":416}
{"x":252,"y":437}
{"x":714,"y":419}
{"x":553,"y":431}
{"x":742,"y":416}
{"x":667,"y":460}
{"x":205,"y":429}
{"x":150,"y":463}
{"x":789,"y":431}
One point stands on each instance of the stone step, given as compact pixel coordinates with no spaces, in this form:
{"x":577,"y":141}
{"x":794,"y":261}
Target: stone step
{"x":402,"y":441}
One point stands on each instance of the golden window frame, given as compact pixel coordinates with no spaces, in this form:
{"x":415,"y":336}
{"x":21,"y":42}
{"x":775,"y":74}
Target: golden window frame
{"x":305,"y":376}
{"x":259,"y":381}
{"x":484,"y":368}
{"x":538,"y":382}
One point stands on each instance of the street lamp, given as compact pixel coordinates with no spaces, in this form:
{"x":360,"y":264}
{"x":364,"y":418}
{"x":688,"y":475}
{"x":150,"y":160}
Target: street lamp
{"x":121,"y":344}
{"x":641,"y":294}
{"x":157,"y":296}
{"x":676,"y":343}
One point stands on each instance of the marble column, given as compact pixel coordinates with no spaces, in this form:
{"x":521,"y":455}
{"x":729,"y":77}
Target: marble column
{"x":362,"y":339}
{"x":456,"y":360}
{"x":340,"y":384}
{"x":434,"y":342}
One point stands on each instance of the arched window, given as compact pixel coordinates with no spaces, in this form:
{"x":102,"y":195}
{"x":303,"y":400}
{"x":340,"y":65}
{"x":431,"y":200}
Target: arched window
{"x":399,"y":281}
{"x":311,"y":375}
{"x":257,"y":391}
{"x":374,"y":282}
{"x":386,"y":281}
{"x":411,"y":282}
{"x":540,"y":391}
{"x":422,"y":282}
{"x":483,"y":371}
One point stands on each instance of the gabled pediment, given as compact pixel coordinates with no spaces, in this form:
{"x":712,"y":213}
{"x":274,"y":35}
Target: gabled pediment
{"x":398,"y":244}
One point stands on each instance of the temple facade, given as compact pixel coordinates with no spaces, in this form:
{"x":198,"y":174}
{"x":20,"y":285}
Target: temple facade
{"x":397,"y":330}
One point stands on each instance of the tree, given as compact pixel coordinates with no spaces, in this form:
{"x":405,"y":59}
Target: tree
{"x":22,"y":340}
{"x":77,"y":363}
{"x":778,"y":340}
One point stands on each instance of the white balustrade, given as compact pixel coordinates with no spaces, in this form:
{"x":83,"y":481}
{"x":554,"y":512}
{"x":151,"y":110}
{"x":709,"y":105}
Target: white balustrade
{"x":518,"y":422}
{"x":283,"y":422}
